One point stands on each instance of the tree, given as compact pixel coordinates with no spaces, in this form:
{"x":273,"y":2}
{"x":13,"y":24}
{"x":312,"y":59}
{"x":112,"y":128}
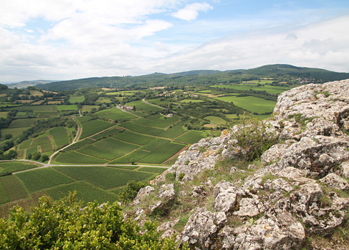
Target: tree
{"x":7,"y":136}
{"x":64,"y":225}
{"x":36,"y":156}
{"x":129,"y":192}
{"x":44,"y":158}
{"x":29,"y":156}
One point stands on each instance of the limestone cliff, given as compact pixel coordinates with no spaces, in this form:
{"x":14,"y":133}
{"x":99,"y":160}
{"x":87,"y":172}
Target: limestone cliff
{"x":298,"y":188}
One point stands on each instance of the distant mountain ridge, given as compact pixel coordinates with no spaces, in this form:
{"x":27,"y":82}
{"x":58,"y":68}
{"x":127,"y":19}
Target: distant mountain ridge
{"x":24,"y":84}
{"x":195,"y":77}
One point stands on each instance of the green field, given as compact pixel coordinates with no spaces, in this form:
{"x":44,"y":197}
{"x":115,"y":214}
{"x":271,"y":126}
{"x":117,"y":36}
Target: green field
{"x":115,"y":114}
{"x":106,"y":133}
{"x":44,"y":108}
{"x":42,"y":178}
{"x":101,"y":100}
{"x":141,"y":106}
{"x":174,"y":132}
{"x":250,"y":103}
{"x":77,"y":158}
{"x":191,"y":137}
{"x":108,"y":149}
{"x":231,"y":116}
{"x":92,"y":127}
{"x":25,"y":144}
{"x":135,"y":138}
{"x":152,"y":170}
{"x":142,"y":152}
{"x":60,"y":136}
{"x":263,"y":116}
{"x":44,"y":142}
{"x":141,"y":129}
{"x":76,"y":99}
{"x":19,"y":123}
{"x":14,"y":166}
{"x":112,"y":93}
{"x":163,"y":153}
{"x":138,"y":113}
{"x":155,"y":145}
{"x":3,"y":194}
{"x":135,"y":156}
{"x":103,"y":177}
{"x":13,"y":131}
{"x":31,"y":150}
{"x":88,"y":108}
{"x":85,"y":118}
{"x":13,"y":188}
{"x":67,"y":107}
{"x":85,"y":192}
{"x":3,"y":114}
{"x":216,"y":120}
{"x":247,"y":87}
{"x":79,"y":144}
{"x":157,"y":121}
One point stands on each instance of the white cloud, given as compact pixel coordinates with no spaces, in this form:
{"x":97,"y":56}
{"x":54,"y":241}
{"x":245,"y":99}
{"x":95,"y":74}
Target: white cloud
{"x":322,"y":45}
{"x":191,"y":11}
{"x":87,"y":38}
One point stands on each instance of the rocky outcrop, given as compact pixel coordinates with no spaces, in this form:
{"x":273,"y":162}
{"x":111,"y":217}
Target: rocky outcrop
{"x":294,"y":192}
{"x":143,"y":192}
{"x":202,"y":227}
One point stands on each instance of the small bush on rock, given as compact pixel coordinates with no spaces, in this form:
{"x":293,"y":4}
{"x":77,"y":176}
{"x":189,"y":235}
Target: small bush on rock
{"x":129,"y":192}
{"x":254,"y":137}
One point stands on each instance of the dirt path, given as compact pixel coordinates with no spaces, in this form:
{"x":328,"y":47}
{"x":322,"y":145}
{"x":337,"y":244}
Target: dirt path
{"x":76,"y":138}
{"x":85,"y":165}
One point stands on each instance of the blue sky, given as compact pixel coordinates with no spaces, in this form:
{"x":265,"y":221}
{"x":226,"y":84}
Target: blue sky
{"x":69,"y":39}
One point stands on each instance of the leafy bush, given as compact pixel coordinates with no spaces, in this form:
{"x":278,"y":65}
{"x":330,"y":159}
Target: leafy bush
{"x":63,"y":225}
{"x":254,"y":136}
{"x":129,"y":192}
{"x":36,"y":156}
{"x":181,"y":176}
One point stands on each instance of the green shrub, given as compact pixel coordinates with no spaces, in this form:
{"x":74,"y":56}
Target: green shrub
{"x":62,"y":225}
{"x":36,"y":156}
{"x":181,"y":176}
{"x":255,"y":137}
{"x":44,"y":158}
{"x":129,"y":192}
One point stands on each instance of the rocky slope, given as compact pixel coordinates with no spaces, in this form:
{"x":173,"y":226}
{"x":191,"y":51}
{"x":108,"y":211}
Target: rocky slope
{"x":297,"y":189}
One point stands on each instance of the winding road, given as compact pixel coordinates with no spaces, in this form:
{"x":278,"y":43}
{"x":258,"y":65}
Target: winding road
{"x":76,"y":139}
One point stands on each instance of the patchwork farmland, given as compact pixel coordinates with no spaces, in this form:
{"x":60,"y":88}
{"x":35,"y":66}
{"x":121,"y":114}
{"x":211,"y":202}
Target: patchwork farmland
{"x":100,"y":183}
{"x":109,"y":137}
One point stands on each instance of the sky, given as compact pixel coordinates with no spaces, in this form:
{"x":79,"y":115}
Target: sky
{"x":71,"y":39}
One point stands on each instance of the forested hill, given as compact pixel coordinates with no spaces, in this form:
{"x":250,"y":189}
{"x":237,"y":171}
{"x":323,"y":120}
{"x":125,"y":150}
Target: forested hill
{"x":279,"y":72}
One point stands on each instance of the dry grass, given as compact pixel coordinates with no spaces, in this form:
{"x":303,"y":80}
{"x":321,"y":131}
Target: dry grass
{"x":55,"y":102}
{"x":24,"y":101}
{"x":38,"y":102}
